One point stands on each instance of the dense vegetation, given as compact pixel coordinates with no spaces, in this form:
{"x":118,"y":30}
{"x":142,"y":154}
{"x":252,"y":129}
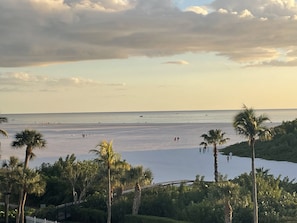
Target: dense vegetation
{"x":282,"y":147}
{"x":201,"y":202}
{"x":85,"y":184}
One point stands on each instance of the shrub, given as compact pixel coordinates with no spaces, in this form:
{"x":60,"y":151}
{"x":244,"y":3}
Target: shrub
{"x":49,"y":213}
{"x":149,"y":219}
{"x":87,"y":215}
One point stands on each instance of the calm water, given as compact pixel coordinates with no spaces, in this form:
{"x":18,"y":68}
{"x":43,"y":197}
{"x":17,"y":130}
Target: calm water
{"x":143,"y":138}
{"x":201,"y":116}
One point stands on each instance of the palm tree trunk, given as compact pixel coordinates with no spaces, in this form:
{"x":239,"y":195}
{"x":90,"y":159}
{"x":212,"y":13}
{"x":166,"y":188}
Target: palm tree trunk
{"x":7,"y":195}
{"x":27,"y":157}
{"x":228,"y":211}
{"x":109,"y":198}
{"x":19,"y":213}
{"x":255,"y":199}
{"x":137,"y":199}
{"x":23,"y":207}
{"x":23,"y":194}
{"x":215,"y":154}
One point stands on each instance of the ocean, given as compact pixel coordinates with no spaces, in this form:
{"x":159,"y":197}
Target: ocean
{"x":144,"y":138}
{"x":200,"y":116}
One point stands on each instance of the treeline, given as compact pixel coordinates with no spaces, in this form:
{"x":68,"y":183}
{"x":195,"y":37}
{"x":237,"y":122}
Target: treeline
{"x":282,"y":146}
{"x":67,"y":180}
{"x":200,"y":202}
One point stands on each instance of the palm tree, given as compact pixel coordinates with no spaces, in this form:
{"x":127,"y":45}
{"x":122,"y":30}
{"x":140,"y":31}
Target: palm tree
{"x":3,"y":132}
{"x":107,"y":157}
{"x":246,"y":123}
{"x":8,"y":179}
{"x":31,"y":139}
{"x":30,"y":182}
{"x":214,"y":137}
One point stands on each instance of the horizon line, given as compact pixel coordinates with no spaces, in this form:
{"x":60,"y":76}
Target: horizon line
{"x":139,"y":111}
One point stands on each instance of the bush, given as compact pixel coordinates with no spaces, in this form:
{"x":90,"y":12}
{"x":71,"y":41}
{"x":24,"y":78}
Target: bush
{"x":120,"y":208}
{"x":49,"y":213}
{"x":87,"y":215}
{"x":149,"y":219}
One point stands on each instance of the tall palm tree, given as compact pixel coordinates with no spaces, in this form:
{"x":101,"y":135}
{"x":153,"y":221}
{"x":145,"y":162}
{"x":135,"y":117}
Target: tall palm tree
{"x":246,"y":123}
{"x":107,"y":157}
{"x":214,"y":137}
{"x":31,"y":139}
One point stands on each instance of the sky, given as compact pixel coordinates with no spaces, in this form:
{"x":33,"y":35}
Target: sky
{"x":147,"y":55}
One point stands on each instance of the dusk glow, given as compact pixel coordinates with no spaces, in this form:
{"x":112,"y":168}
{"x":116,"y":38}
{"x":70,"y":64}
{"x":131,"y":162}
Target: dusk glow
{"x":146,"y":55}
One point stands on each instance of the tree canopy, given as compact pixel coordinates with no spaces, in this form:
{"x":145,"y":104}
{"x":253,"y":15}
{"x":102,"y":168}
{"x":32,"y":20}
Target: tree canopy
{"x":281,"y":147}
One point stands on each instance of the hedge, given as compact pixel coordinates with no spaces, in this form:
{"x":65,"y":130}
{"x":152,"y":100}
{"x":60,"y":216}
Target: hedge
{"x":149,"y":219}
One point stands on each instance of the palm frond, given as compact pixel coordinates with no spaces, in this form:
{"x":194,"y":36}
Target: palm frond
{"x":3,"y":132}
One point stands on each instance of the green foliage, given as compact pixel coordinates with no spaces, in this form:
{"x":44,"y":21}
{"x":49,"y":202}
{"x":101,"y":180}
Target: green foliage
{"x":282,"y":146}
{"x":200,"y":202}
{"x":149,"y":219}
{"x":161,"y":203}
{"x":49,"y":213}
{"x":120,"y":208}
{"x":87,"y":215}
{"x":204,"y":202}
{"x":205,"y":211}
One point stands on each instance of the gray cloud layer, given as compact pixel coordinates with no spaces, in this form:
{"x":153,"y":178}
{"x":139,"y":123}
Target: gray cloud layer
{"x":253,"y":32}
{"x":22,"y":81}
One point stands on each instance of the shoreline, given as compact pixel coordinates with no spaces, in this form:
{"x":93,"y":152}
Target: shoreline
{"x":179,"y":164}
{"x":151,"y":145}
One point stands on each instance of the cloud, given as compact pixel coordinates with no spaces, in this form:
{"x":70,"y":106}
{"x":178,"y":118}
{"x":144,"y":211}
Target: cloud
{"x":37,"y":32}
{"x":27,"y":82}
{"x":179,"y":62}
{"x":101,"y":5}
{"x":197,"y":9}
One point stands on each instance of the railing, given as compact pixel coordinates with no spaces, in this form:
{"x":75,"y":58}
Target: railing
{"x":175,"y":182}
{"x":38,"y":220}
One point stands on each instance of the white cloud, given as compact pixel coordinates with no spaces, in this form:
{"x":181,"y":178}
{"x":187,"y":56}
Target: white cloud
{"x":178,"y":62}
{"x":246,"y":14}
{"x":259,"y":8}
{"x":37,"y":32}
{"x":197,"y":10}
{"x":223,"y":11}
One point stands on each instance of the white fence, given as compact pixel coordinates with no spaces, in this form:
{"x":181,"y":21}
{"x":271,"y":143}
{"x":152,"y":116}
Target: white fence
{"x":38,"y":220}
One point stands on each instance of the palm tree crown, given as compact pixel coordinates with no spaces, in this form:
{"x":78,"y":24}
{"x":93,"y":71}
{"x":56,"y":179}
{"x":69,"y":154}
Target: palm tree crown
{"x":246,"y":123}
{"x":214,"y":137}
{"x":31,"y":139}
{"x":105,"y":153}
